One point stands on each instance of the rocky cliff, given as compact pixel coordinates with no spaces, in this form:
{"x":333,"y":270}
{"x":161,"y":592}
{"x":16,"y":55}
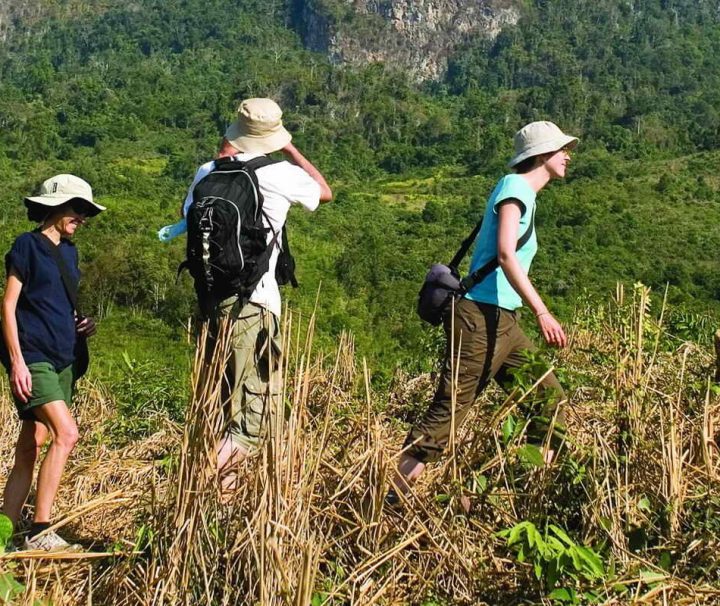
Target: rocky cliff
{"x":22,"y":14}
{"x":10,"y":10}
{"x":413,"y":35}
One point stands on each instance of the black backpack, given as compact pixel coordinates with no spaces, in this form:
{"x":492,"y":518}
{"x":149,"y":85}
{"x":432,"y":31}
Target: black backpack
{"x":227,"y":248}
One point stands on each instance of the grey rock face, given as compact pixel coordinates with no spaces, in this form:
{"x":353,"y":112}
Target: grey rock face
{"x":413,"y":35}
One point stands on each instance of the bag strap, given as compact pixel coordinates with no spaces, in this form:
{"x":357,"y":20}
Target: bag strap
{"x":253,"y":164}
{"x":54,"y":250}
{"x":286,"y":250}
{"x":277,"y":235}
{"x":260,"y":161}
{"x":481,"y":273}
{"x":465,"y":246}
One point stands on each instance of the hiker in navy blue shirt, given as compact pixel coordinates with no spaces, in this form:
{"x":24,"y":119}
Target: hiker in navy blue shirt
{"x":41,"y":332}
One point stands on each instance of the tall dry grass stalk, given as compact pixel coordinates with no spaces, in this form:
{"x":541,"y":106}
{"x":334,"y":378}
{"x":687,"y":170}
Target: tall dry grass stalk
{"x":307,"y":519}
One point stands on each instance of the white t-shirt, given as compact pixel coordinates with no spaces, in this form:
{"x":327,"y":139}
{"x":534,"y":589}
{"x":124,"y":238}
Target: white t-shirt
{"x":281,"y":185}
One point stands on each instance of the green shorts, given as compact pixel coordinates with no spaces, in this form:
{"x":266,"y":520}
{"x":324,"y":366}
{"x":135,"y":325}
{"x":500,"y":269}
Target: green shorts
{"x":48,"y":385}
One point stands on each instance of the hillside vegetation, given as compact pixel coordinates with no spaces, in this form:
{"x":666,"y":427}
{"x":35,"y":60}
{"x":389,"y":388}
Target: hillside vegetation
{"x":134,"y":96}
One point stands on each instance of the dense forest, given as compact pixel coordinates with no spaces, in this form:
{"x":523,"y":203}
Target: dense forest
{"x":133,"y":96}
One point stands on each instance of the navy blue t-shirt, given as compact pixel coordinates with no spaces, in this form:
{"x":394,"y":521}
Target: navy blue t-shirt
{"x":45,"y":316}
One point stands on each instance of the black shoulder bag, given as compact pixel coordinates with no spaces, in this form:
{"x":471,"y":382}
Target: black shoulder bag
{"x":82,"y":354}
{"x":443,"y":283}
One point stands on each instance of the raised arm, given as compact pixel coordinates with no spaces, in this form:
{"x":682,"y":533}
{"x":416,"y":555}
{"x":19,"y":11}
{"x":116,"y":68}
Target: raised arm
{"x":509,"y":213}
{"x":20,"y":379}
{"x":293,"y":154}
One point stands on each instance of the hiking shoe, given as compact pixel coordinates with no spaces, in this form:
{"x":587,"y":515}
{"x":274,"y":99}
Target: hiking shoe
{"x":49,"y":541}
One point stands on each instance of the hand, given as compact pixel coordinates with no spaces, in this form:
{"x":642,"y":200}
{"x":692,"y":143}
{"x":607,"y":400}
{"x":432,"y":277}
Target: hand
{"x":85,"y":327}
{"x":21,"y":381}
{"x":551,"y":330}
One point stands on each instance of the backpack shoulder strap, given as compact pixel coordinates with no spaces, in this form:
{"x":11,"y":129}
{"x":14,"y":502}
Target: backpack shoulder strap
{"x":260,"y":161}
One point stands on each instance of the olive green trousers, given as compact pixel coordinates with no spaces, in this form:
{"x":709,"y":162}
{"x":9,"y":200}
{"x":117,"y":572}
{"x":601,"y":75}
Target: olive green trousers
{"x":488,"y":343}
{"x":251,"y":385}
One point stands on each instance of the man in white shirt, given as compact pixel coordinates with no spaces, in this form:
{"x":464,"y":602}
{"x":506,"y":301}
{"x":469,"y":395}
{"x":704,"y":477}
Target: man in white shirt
{"x":253,"y":380}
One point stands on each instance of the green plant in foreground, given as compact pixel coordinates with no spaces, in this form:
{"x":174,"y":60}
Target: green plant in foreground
{"x":555,"y":557}
{"x":6,"y":531}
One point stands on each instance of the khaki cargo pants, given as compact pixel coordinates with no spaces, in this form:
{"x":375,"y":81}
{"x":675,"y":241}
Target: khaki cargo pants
{"x":491,"y":344}
{"x":251,"y":387}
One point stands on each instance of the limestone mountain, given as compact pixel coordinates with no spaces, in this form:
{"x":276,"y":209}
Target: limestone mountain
{"x":416,"y":36}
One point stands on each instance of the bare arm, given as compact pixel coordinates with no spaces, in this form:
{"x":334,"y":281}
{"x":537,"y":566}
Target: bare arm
{"x":20,"y":379}
{"x":508,"y":221}
{"x":293,"y":154}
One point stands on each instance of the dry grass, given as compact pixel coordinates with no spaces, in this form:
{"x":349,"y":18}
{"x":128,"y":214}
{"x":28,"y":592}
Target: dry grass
{"x":307,"y":521}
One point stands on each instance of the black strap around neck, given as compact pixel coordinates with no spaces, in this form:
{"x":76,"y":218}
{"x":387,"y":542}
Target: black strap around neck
{"x":54,"y":250}
{"x":465,"y":246}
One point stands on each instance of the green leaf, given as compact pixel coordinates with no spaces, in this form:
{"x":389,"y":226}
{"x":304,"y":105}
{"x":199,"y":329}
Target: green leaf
{"x":644,"y":505}
{"x":127,"y":360}
{"x":606,"y":523}
{"x":555,"y":543}
{"x":442,"y":498}
{"x":593,"y":561}
{"x":516,"y":532}
{"x":562,"y":535}
{"x":553,"y":574}
{"x":9,"y":587}
{"x":482,"y":483}
{"x":576,"y":559}
{"x":537,"y":566}
{"x":562,"y":594}
{"x":532,"y":533}
{"x":508,"y":428}
{"x":651,"y":576}
{"x":531,"y":455}
{"x":665,"y":561}
{"x":541,"y":546}
{"x":6,"y":531}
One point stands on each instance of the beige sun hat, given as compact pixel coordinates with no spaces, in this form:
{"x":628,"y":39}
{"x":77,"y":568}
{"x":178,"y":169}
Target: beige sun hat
{"x":539,"y":138}
{"x":258,"y":128}
{"x":62,"y":188}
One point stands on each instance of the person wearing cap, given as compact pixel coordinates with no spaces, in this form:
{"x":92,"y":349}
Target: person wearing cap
{"x":254,"y":390}
{"x":40,"y":328}
{"x":484,"y":330}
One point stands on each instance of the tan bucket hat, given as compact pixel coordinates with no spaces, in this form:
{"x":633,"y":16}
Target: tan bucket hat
{"x":62,"y":188}
{"x":539,"y":138}
{"x":258,"y":128}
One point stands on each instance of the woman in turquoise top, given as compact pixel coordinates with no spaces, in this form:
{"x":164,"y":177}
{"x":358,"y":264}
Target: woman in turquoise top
{"x":484,"y":331}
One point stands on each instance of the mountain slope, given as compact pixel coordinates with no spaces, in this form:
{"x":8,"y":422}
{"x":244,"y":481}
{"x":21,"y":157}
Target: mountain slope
{"x":415,"y":36}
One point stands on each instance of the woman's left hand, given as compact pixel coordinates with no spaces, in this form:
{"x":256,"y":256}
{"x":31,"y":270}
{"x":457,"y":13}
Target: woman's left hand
{"x":551,"y":329}
{"x":86,"y":327}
